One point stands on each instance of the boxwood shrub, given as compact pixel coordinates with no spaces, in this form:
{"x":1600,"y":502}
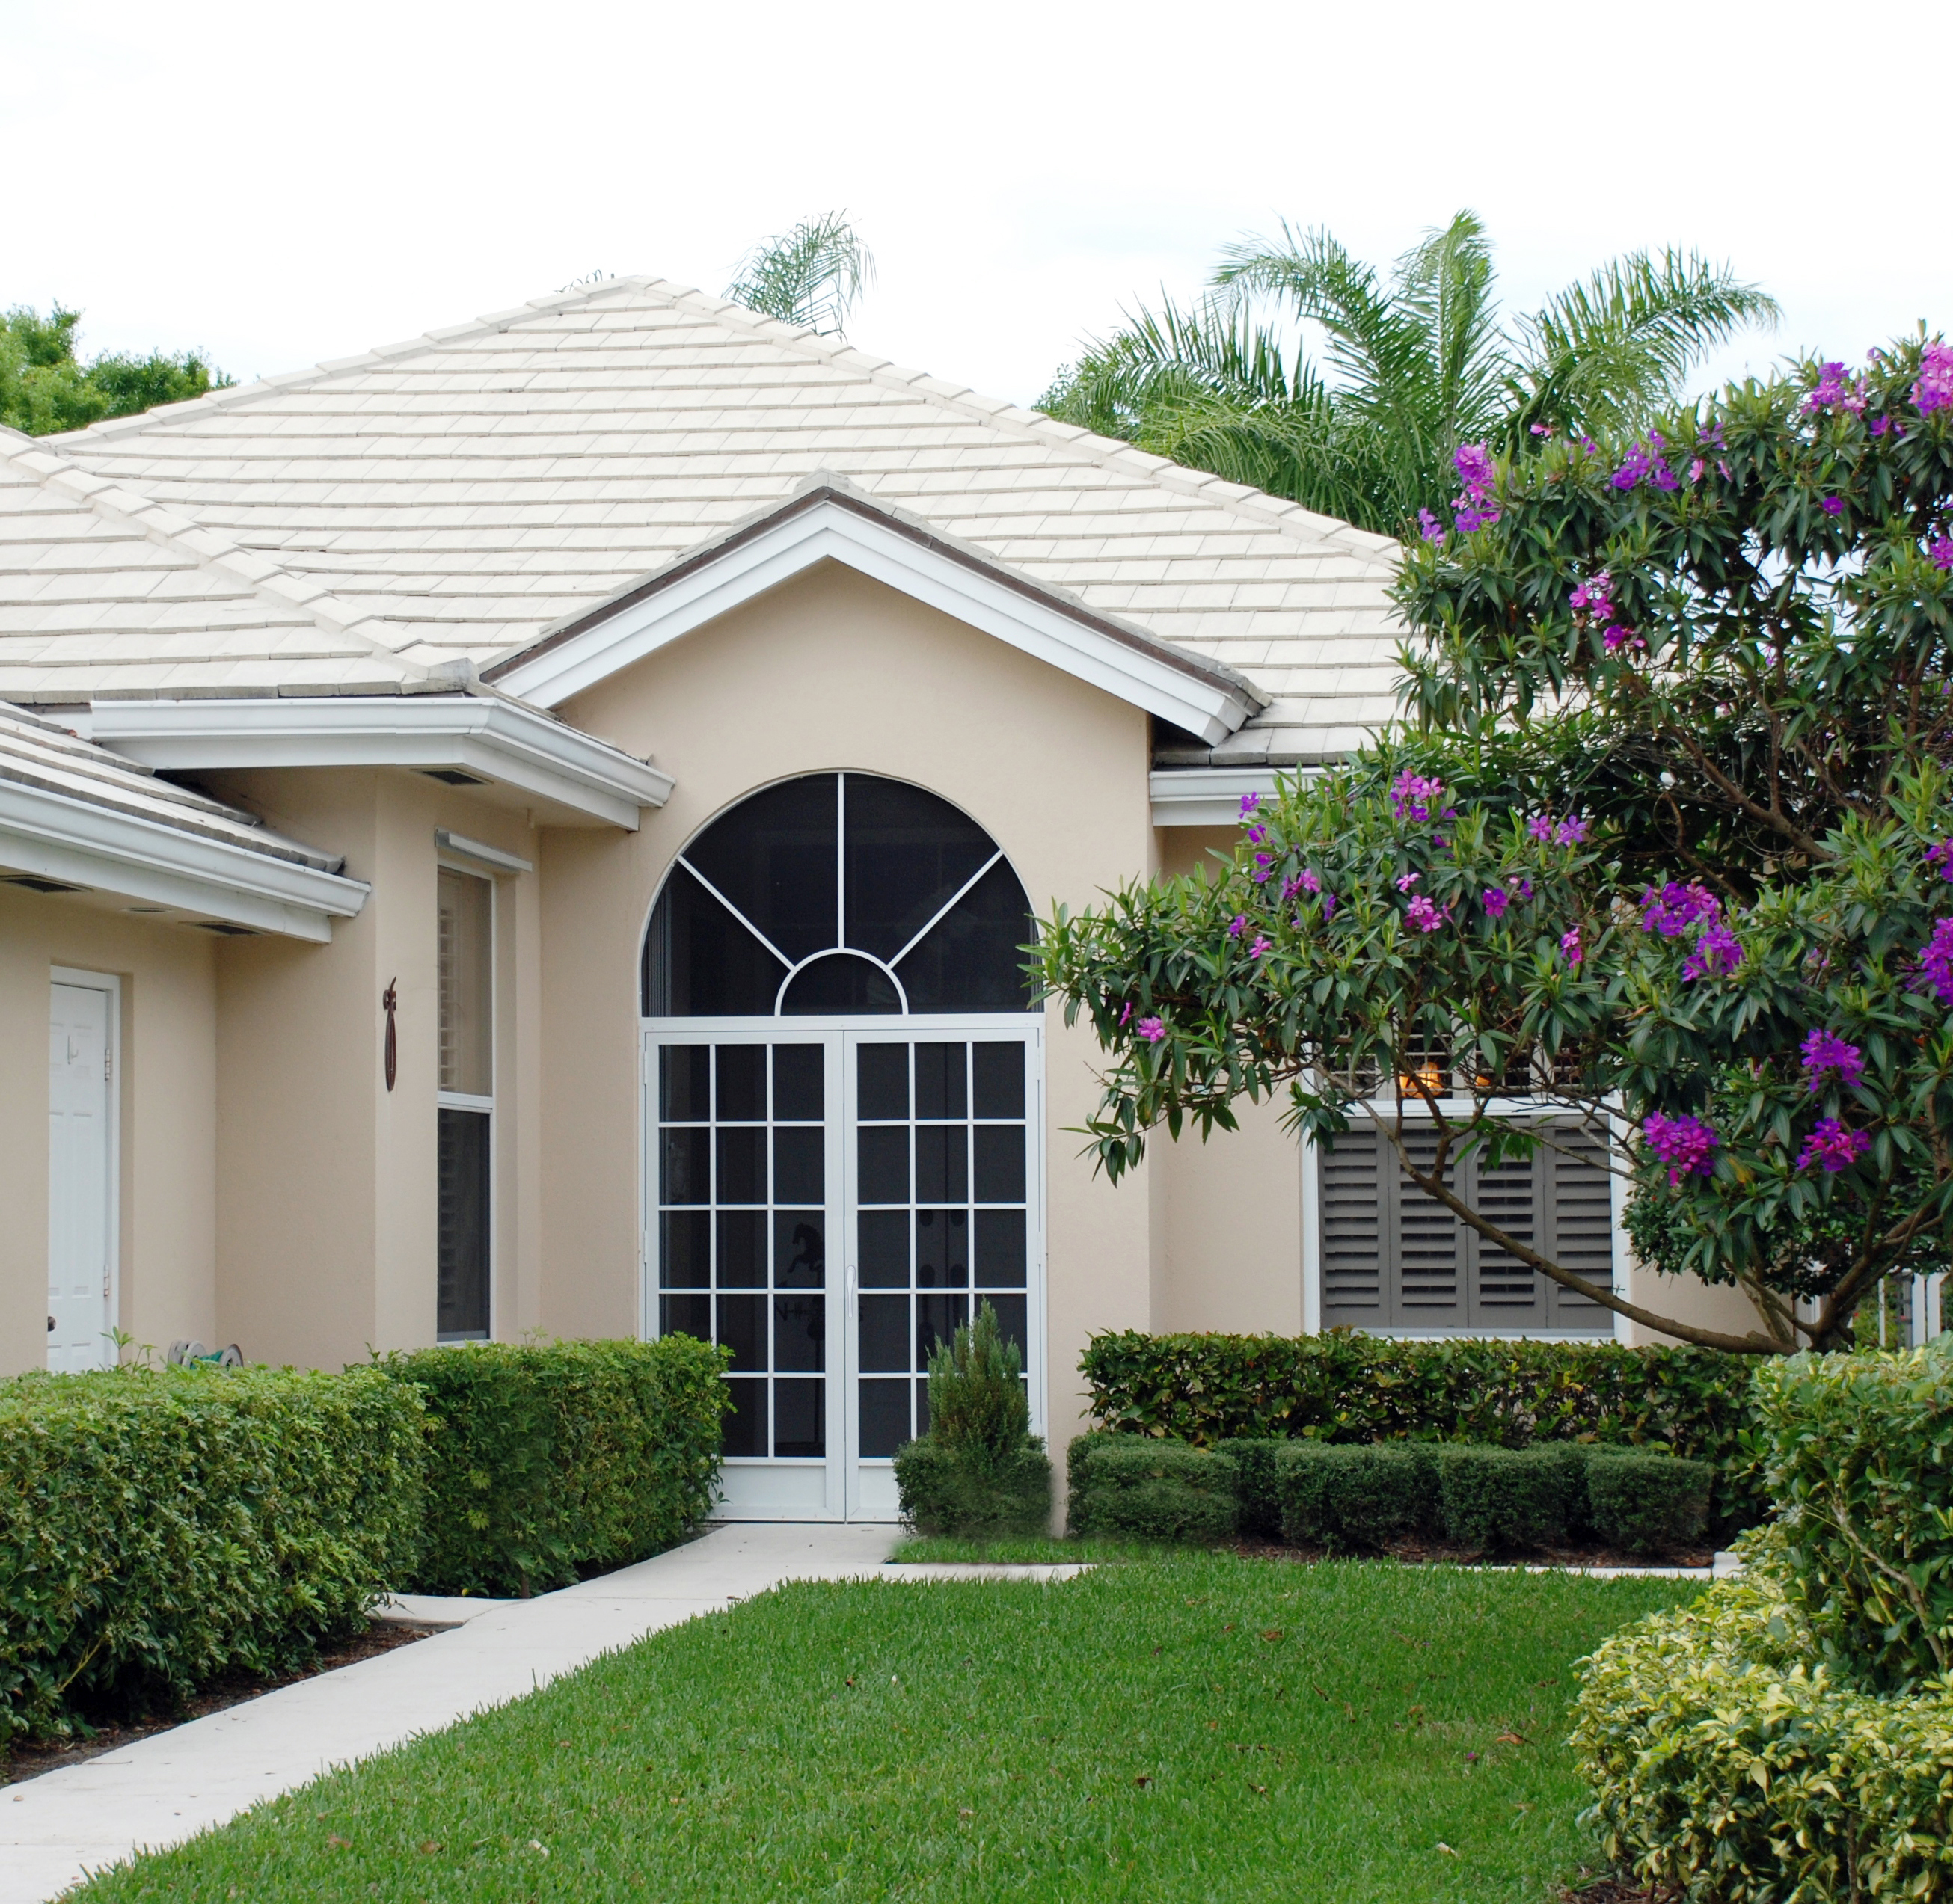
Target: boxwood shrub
{"x":1137,"y":1489}
{"x":1351,"y":1499}
{"x":1342,"y":1387}
{"x":974,"y":1493}
{"x":547,"y":1462}
{"x":1513,"y":1497}
{"x":159,"y":1527}
{"x":1646,"y":1503}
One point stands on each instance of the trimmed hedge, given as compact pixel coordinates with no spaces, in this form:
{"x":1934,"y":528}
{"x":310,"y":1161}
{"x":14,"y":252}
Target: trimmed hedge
{"x":1646,"y":1503}
{"x":1343,"y":1387}
{"x":1148,"y":1490}
{"x":549,"y":1462}
{"x":1729,"y":1760}
{"x":159,"y":1527}
{"x":972,"y":1492}
{"x":1513,"y":1497}
{"x":1351,"y":1498}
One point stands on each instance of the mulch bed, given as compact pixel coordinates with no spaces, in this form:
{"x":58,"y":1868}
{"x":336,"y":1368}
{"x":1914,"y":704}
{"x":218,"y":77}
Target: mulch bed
{"x":30,"y":1759}
{"x":1431,"y":1553}
{"x":1611,"y":1890}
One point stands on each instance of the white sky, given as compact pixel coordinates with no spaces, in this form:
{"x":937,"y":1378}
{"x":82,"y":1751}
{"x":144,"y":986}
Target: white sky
{"x":279,"y":182}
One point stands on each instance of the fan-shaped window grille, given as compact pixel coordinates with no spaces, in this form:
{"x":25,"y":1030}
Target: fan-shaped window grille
{"x":838,"y":893}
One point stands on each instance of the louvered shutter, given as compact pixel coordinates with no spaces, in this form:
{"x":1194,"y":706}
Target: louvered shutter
{"x":1351,"y":1216}
{"x":1580,"y":1212}
{"x":1507,"y":1296}
{"x":1424,"y":1267}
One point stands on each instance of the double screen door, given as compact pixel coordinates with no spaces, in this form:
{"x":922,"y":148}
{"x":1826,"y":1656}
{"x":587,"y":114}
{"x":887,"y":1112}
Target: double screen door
{"x":830,"y":1205}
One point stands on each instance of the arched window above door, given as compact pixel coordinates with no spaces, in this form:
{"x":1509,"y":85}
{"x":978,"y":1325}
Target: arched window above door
{"x":838,"y":893}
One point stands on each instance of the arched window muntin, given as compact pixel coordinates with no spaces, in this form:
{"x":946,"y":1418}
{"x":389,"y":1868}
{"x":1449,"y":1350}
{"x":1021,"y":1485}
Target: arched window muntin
{"x":884,"y":993}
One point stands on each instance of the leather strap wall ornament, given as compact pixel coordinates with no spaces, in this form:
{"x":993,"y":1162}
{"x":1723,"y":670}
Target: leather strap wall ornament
{"x":388,"y":999}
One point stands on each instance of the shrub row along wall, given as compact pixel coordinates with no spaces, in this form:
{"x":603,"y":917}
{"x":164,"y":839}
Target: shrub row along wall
{"x":1343,"y":1387}
{"x":157,"y":1528}
{"x":548,"y":1463}
{"x":1356,"y":1497}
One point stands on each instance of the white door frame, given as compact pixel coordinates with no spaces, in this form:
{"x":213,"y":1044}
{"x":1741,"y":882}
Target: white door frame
{"x":108,"y":982}
{"x":839,"y":1495}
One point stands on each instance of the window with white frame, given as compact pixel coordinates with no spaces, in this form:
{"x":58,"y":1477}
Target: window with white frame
{"x":466,"y":1103}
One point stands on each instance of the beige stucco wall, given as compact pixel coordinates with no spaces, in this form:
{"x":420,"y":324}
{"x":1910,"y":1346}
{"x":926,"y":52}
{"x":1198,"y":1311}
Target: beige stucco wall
{"x":167,"y":1115}
{"x":327,"y":1197}
{"x":834,"y":671}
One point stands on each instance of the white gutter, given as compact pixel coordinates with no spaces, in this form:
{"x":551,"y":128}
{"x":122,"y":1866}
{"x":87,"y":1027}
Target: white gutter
{"x":1210,"y":796}
{"x":488,"y":736}
{"x":54,"y":837}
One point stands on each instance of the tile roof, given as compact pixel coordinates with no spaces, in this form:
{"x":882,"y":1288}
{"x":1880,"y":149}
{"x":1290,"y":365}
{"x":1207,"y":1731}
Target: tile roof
{"x":339,"y":529}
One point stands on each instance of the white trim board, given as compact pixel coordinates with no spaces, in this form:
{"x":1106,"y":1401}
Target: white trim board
{"x":111,"y":983}
{"x":1129,"y":664}
{"x":1208,"y":796}
{"x":485,"y":735}
{"x":81,"y":844}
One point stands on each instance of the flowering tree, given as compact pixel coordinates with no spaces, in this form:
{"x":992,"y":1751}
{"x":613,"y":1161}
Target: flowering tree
{"x":1665,"y":847}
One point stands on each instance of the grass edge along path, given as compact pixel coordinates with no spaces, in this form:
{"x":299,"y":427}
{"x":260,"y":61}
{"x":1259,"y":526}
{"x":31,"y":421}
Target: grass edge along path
{"x":1206,"y":1727}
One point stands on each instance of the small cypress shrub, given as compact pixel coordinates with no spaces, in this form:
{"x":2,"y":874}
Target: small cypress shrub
{"x":1351,"y":1496}
{"x":1647,"y":1503}
{"x":1133,"y":1487}
{"x":979,"y":1471}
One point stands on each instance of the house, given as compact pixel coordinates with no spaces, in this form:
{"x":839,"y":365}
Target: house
{"x":528,"y":829}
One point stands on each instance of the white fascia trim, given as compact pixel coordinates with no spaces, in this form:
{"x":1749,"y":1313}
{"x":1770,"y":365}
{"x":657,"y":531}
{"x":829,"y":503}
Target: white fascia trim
{"x":55,"y":837}
{"x":828,"y":533}
{"x":463,"y":848}
{"x":490,"y":737}
{"x":1209,"y":796}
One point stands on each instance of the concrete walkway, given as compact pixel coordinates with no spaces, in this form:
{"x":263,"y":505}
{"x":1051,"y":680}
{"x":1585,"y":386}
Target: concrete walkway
{"x":162,"y":1790}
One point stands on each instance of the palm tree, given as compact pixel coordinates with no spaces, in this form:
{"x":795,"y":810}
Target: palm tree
{"x":810,"y":276}
{"x":1415,"y":365}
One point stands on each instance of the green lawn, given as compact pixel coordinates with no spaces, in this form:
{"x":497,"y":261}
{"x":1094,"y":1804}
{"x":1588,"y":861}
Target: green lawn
{"x":1202,"y":1728}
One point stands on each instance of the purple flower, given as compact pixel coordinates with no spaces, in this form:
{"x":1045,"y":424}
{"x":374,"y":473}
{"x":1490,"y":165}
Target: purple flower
{"x":1833,"y":1147}
{"x":1941,"y":550}
{"x":1328,"y":906}
{"x":1684,"y":1144}
{"x":1239,"y":926}
{"x":1248,"y":803}
{"x":1413,"y":796}
{"x":1942,"y":857}
{"x":1257,"y":833}
{"x":1665,"y":478}
{"x":1495,"y":900}
{"x":1152,"y":1029}
{"x":1716,"y":951}
{"x":1521,"y":888}
{"x":1832,"y":505}
{"x":1425,"y":915}
{"x":1934,"y":390}
{"x":1434,"y":530}
{"x":1936,"y":962}
{"x":1830,"y":388}
{"x":1724,"y":470}
{"x":1674,"y":909}
{"x":1408,"y":881}
{"x":1542,"y":429}
{"x":1540,"y":826}
{"x":1473,"y":461}
{"x":1637,"y":465}
{"x":1310,"y":880}
{"x":1618,"y":638}
{"x":1696,"y":470}
{"x":1571,"y":831}
{"x":1126,"y":1016}
{"x":1569,"y":943}
{"x":1469,"y":518}
{"x":1879,"y":425}
{"x":1262,"y":944}
{"x":1595,"y":598}
{"x":1826,"y":1051}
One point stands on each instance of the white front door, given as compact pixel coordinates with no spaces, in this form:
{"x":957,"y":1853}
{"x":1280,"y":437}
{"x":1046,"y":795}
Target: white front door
{"x":81,"y":1261}
{"x":828,"y":1202}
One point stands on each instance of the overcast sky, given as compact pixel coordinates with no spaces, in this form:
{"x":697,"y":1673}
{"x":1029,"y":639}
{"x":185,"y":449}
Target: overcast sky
{"x":280,"y":182}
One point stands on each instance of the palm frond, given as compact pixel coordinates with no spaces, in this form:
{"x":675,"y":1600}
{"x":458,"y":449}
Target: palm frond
{"x":1446,"y":282}
{"x":810,"y":277}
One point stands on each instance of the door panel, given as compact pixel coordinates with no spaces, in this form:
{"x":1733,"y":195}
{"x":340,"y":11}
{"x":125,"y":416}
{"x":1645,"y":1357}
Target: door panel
{"x":80,"y":1182}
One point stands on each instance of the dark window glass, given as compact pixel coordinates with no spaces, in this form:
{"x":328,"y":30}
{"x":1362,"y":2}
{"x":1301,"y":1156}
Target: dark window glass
{"x":908,"y":851}
{"x":742,"y":1166}
{"x":742,"y":1329}
{"x":883,"y":1164}
{"x":685,"y":1249}
{"x":462,"y":1241}
{"x":799,"y":1078}
{"x":1000,"y":1079}
{"x":941,"y":1163}
{"x":742,"y":1083}
{"x":943,"y":1249}
{"x":970,"y":962}
{"x":1012,"y":1314}
{"x":883,"y":1073}
{"x":685,"y":1173}
{"x":840,"y":983}
{"x":745,"y":1429}
{"x":800,"y":1334}
{"x":686,"y":1316}
{"x":885,"y":1248}
{"x":885,"y":1333}
{"x":700,"y":962}
{"x":773,"y":857}
{"x":799,"y":1171}
{"x":1000,"y":1163}
{"x":1001,"y":1257}
{"x":937,"y":1318}
{"x":939,"y":1082}
{"x":742,"y":1249}
{"x":684,"y":1083}
{"x":800,"y":1418}
{"x":885,"y":1417}
{"x":799,"y":1251}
